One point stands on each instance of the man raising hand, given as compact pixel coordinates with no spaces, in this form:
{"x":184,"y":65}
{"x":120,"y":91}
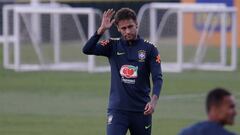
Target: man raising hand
{"x":132,"y":60}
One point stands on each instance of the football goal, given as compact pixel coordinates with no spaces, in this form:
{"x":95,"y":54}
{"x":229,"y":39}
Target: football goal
{"x":191,"y":36}
{"x":49,"y":37}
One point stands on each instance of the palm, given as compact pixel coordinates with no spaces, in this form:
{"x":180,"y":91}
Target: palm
{"x":106,"y":20}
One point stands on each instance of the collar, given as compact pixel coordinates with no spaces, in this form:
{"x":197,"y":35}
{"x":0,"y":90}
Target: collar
{"x":214,"y":123}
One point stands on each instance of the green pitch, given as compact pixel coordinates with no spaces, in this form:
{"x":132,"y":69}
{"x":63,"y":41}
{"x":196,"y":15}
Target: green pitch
{"x":74,"y":103}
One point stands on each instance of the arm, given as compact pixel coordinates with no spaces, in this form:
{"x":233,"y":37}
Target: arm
{"x":92,"y":46}
{"x":156,"y":71}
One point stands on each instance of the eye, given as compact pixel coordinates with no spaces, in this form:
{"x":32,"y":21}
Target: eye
{"x":123,"y":28}
{"x":130,"y":26}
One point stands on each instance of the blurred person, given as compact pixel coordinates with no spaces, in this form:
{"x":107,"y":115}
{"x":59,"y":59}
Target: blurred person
{"x":221,"y":111}
{"x":132,"y":60}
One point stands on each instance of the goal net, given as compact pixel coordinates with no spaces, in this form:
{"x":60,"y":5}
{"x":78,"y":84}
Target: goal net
{"x":191,"y":36}
{"x":49,"y":37}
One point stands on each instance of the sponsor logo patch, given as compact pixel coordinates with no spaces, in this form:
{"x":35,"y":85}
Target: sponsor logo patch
{"x":129,"y":71}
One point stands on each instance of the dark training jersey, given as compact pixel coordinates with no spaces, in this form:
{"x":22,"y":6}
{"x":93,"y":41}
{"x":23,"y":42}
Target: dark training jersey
{"x":205,"y":128}
{"x":131,"y":65}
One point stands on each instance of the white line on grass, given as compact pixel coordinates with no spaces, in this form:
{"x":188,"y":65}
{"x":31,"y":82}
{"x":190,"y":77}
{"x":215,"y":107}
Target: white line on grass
{"x":182,"y":96}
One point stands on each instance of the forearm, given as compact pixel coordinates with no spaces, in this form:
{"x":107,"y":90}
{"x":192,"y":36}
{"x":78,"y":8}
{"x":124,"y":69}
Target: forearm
{"x":157,"y":82}
{"x":157,"y":86}
{"x":154,"y":99}
{"x":90,"y":46}
{"x":101,"y":30}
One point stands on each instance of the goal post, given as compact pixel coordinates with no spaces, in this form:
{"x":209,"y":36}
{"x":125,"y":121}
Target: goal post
{"x":49,"y":37}
{"x":191,"y":36}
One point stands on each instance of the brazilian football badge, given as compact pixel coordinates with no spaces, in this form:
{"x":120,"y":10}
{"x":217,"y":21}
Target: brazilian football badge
{"x":141,"y":55}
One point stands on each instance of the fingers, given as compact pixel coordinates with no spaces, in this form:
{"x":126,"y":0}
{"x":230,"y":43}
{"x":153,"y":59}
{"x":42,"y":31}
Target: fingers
{"x":107,"y":21}
{"x":149,"y":109}
{"x":109,"y":13}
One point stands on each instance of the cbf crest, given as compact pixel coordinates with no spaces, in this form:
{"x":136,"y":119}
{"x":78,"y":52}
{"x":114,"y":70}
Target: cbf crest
{"x":141,"y":55}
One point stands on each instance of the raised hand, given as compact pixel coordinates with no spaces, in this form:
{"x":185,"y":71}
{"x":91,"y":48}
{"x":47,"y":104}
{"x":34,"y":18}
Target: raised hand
{"x":107,"y":21}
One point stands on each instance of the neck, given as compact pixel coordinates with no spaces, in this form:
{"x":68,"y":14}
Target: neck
{"x":214,"y":118}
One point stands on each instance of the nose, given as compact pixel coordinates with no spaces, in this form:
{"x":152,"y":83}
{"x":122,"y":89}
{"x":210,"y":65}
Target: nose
{"x":127,"y":30}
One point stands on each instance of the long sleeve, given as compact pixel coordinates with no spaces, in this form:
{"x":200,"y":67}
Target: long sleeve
{"x":156,"y":71}
{"x":92,"y":47}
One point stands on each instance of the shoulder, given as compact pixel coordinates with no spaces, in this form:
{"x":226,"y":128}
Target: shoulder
{"x":226,"y":132}
{"x":193,"y":129}
{"x":149,"y":43}
{"x":206,"y":128}
{"x":188,"y":130}
{"x":114,"y":39}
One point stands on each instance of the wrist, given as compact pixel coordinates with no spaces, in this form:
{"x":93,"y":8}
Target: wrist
{"x":154,"y":100}
{"x":100,"y":30}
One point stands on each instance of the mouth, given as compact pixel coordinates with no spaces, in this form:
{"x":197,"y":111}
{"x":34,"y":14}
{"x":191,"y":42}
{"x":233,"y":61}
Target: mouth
{"x":128,"y":37}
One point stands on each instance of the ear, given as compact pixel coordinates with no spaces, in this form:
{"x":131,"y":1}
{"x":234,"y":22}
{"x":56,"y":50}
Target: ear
{"x":136,"y":24}
{"x":212,"y":113}
{"x":217,"y":110}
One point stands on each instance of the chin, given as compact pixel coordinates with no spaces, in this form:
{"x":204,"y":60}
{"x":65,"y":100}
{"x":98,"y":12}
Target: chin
{"x":130,"y":39}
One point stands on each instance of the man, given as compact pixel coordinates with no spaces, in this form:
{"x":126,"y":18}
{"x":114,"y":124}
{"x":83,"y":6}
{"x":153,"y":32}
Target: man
{"x":132,"y":60}
{"x":220,"y":106}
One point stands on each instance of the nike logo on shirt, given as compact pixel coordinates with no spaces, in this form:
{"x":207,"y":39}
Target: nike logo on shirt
{"x":120,"y":53}
{"x":147,"y":127}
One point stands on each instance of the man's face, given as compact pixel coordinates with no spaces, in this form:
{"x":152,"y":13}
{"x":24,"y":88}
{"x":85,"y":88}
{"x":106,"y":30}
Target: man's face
{"x":227,"y":111}
{"x":128,"y":29}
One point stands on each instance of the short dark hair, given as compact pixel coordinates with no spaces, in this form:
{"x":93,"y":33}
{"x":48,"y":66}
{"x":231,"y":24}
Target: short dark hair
{"x":215,"y":97}
{"x":125,"y":14}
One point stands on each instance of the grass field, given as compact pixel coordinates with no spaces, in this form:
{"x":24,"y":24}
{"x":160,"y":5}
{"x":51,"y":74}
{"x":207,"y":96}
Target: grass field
{"x":74,"y":103}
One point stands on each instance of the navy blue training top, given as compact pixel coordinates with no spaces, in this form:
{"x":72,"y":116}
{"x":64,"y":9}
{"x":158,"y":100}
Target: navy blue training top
{"x":205,"y":128}
{"x":131,"y":65}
